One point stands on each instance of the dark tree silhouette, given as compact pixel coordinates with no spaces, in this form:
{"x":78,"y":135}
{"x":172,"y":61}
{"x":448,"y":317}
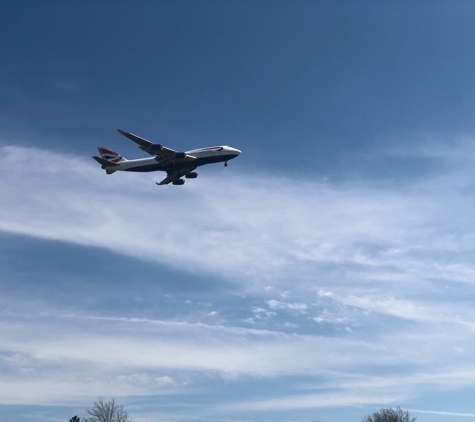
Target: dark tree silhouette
{"x":110,"y":411}
{"x":74,"y":419}
{"x":390,"y":415}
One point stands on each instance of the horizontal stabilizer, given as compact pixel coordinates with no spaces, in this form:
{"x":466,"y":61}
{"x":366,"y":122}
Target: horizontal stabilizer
{"x":105,"y":163}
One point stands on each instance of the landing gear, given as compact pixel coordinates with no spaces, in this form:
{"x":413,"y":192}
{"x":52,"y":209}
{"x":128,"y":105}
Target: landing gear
{"x":225,"y":164}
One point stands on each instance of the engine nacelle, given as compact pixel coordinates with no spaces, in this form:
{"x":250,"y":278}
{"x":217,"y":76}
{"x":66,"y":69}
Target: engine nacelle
{"x":180,"y":155}
{"x":192,"y":175}
{"x":178,"y":182}
{"x":156,"y":147}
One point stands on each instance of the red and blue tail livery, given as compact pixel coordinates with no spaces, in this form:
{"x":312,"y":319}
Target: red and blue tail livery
{"x":110,"y":155}
{"x":175,"y":164}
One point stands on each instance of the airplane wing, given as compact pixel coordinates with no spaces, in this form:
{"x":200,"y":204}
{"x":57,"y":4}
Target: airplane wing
{"x":175,"y":175}
{"x":148,"y":146}
{"x":164,"y":155}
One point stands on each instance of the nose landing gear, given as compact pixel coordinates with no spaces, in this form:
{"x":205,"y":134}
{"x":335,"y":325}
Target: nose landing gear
{"x":225,"y":164}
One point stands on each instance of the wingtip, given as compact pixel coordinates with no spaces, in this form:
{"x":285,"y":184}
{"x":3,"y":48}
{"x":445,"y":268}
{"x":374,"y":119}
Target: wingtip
{"x":121,"y":131}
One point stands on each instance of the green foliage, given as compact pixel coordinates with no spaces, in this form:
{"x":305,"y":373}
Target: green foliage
{"x":389,"y":415}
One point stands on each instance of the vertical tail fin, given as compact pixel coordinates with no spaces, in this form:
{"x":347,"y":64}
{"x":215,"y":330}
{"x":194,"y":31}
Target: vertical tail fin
{"x":110,"y":155}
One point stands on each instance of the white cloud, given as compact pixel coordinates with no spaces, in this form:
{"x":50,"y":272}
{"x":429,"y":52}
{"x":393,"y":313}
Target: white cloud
{"x":238,"y":227}
{"x":277,"y":304}
{"x":328,"y":318}
{"x":437,"y":412}
{"x":313,"y":401}
{"x":357,"y":254}
{"x":121,"y":355}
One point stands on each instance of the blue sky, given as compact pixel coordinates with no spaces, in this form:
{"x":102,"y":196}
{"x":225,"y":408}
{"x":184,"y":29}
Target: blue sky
{"x":327,"y":272}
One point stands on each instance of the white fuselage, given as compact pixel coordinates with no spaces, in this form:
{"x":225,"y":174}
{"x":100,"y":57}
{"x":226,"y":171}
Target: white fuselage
{"x":203,"y":156}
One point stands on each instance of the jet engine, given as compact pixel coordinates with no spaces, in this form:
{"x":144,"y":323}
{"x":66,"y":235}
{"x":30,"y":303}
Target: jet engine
{"x":191,"y":175}
{"x":155,"y":147}
{"x":178,"y":182}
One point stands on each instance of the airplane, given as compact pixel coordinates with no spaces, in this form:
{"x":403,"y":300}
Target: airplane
{"x":176,"y":164}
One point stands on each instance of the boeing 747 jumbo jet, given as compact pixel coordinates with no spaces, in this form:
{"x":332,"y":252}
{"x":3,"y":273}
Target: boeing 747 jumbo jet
{"x":176,"y":164}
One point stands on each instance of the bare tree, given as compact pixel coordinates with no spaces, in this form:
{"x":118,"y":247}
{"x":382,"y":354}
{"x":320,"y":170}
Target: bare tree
{"x":390,"y":415}
{"x":109,"y":411}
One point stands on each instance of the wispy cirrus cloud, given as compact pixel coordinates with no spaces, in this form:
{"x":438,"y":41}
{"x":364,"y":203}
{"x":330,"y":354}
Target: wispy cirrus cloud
{"x":342,"y":276}
{"x":437,"y":412}
{"x":240,"y":227}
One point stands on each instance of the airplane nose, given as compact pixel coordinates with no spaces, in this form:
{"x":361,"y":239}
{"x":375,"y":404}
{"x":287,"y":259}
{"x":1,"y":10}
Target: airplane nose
{"x":237,"y":151}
